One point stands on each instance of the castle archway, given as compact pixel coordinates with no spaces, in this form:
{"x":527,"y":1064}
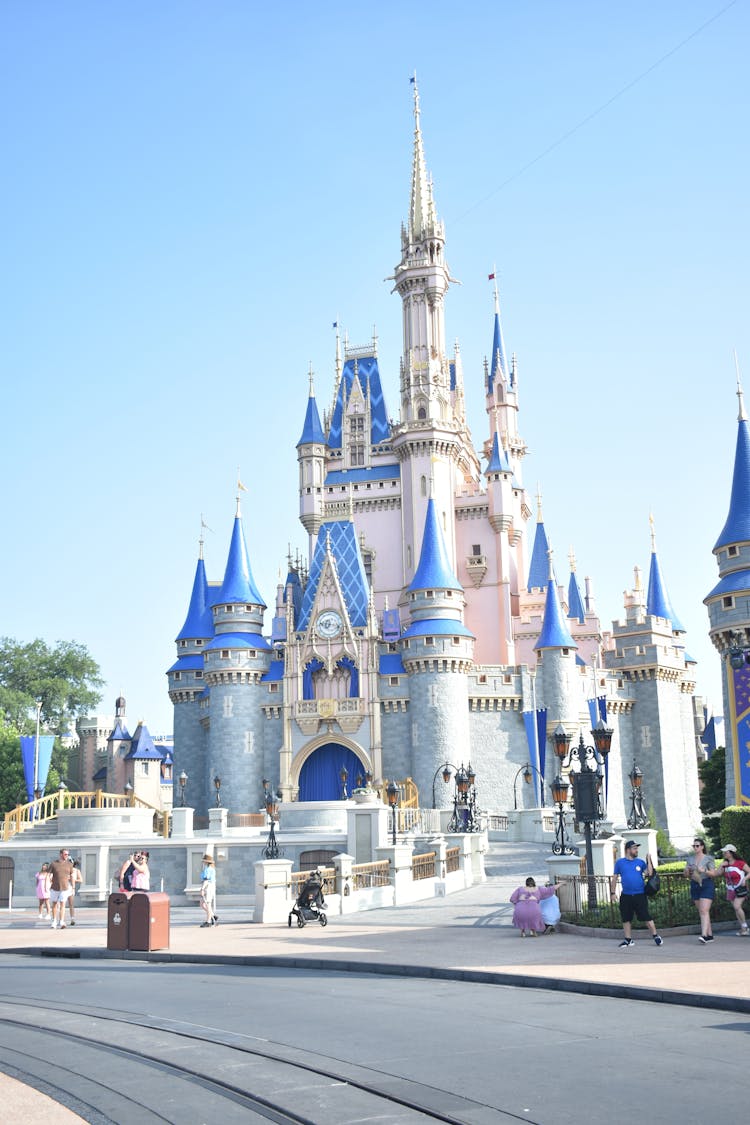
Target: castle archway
{"x":320,"y":774}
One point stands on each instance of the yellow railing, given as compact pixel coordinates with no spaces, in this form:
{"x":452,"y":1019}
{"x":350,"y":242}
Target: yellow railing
{"x":408,"y":793}
{"x":23,"y":817}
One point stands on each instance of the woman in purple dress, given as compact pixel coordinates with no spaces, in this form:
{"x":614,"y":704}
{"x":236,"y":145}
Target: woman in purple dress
{"x":527,"y":915}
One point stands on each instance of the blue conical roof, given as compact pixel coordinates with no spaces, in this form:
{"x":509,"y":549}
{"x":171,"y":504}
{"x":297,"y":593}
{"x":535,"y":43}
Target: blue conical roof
{"x":498,"y":366}
{"x":198,"y":622}
{"x":238,"y":584}
{"x":434,"y":570}
{"x":142,"y":745}
{"x":498,"y":458}
{"x":539,"y":567}
{"x":657,"y":599}
{"x":312,"y":431}
{"x":575,"y":600}
{"x":555,"y":632}
{"x":737,"y":527}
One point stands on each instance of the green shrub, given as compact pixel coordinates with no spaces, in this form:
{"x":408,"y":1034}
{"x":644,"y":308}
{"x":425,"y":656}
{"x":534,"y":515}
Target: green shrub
{"x":735,"y":828}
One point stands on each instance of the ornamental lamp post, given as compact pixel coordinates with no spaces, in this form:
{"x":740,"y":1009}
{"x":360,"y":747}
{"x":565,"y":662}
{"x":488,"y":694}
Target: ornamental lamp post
{"x":182,"y":782}
{"x":392,"y":795}
{"x":272,"y":850}
{"x":559,"y":789}
{"x":217,"y":787}
{"x":638,"y":817}
{"x":528,"y":777}
{"x":343,"y":774}
{"x":36,"y":744}
{"x":584,"y":763}
{"x":445,"y":770}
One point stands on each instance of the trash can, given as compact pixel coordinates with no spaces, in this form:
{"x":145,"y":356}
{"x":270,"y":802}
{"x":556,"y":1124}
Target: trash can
{"x":118,"y":911}
{"x":148,"y":926}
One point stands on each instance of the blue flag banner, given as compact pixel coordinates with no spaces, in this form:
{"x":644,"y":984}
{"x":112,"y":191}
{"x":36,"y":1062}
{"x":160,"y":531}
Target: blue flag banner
{"x":541,"y":742}
{"x":529,"y":722}
{"x":739,"y":711}
{"x":28,"y":753}
{"x":597,"y":711}
{"x":391,"y":625}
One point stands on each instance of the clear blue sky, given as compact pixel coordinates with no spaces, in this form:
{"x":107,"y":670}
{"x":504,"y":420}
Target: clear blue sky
{"x":193,"y":193}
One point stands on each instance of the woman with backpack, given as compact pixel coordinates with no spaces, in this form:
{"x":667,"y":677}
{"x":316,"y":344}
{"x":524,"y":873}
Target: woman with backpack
{"x":736,"y":875}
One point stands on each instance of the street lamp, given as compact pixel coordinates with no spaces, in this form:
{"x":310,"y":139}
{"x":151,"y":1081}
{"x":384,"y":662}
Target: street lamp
{"x":527,"y":776}
{"x":559,"y":790}
{"x":392,"y":794}
{"x":343,"y":774}
{"x":272,"y":849}
{"x":584,"y":762}
{"x":465,"y":816}
{"x":36,"y":744}
{"x":182,"y":782}
{"x":129,"y":792}
{"x":217,"y":787}
{"x":638,"y":817}
{"x":446,"y":772}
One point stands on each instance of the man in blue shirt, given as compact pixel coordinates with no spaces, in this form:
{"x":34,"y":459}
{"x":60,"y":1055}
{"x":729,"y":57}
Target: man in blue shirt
{"x":633,"y":901}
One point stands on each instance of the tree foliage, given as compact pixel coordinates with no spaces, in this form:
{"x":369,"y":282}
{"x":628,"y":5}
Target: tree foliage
{"x":713,"y":777}
{"x":66,"y":679}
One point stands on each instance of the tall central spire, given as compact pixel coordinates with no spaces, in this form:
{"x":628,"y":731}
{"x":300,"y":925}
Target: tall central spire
{"x":422,"y":208}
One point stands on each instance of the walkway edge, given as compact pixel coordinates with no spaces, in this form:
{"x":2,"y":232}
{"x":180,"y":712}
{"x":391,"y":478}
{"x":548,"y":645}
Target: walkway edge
{"x":426,"y":972}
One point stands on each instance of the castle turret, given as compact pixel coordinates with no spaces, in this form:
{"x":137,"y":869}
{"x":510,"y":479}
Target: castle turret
{"x":729,"y":615}
{"x":436,"y":651}
{"x":556,"y":666}
{"x":657,"y":599}
{"x":311,"y":453}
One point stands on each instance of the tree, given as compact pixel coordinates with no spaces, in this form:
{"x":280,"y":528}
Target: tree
{"x":66,"y":679}
{"x":713,"y":777}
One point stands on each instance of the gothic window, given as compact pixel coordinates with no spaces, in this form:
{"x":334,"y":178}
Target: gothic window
{"x":476,"y":550}
{"x":421,"y":414}
{"x":367,"y":562}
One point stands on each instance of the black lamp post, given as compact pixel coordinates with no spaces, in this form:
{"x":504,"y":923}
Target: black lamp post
{"x":559,"y":790}
{"x":392,"y":794}
{"x":465,"y":816}
{"x":527,"y":776}
{"x":128,"y":792}
{"x":182,"y":782}
{"x":584,"y":762}
{"x":272,"y":849}
{"x":217,"y":787}
{"x":638,"y":817}
{"x":446,"y":772}
{"x":343,"y":774}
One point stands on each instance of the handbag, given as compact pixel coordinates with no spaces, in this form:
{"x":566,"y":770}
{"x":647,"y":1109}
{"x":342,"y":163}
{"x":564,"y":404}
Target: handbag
{"x":652,"y":885}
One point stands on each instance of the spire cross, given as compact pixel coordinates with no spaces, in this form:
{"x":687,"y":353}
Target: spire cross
{"x":572,"y":559}
{"x":312,"y":386}
{"x":742,"y":414}
{"x":653,"y":532}
{"x":539,"y":503}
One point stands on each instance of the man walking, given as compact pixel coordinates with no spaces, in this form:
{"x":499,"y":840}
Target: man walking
{"x":60,"y":889}
{"x":633,"y":900}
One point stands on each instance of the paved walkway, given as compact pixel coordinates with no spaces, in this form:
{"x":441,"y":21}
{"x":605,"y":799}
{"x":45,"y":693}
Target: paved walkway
{"x":466,"y":936}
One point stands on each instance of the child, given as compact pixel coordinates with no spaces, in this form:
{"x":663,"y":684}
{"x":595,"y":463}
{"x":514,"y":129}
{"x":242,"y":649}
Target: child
{"x":43,"y":879}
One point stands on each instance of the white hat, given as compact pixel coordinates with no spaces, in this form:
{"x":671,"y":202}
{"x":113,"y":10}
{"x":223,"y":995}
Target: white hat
{"x":729,"y":848}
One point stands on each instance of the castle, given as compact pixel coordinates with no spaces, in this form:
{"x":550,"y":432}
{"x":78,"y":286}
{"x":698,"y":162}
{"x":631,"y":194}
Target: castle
{"x":427,"y":624}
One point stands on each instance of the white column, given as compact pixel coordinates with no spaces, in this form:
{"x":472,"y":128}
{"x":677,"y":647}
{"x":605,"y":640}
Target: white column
{"x":273,"y":890}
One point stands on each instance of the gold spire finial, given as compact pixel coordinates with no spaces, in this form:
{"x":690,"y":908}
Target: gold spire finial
{"x":742,"y":417}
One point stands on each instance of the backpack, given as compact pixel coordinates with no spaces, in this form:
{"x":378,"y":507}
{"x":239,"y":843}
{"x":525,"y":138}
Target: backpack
{"x":127,"y":879}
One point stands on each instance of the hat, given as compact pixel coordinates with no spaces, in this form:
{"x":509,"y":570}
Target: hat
{"x":208,"y":859}
{"x":729,"y":848}
{"x":632,"y":844}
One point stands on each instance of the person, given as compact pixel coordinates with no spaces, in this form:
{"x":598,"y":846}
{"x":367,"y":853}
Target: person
{"x":141,"y":879}
{"x":59,"y":891}
{"x":630,"y":870}
{"x":700,"y":869}
{"x":75,"y":881}
{"x":208,"y":892}
{"x":736,"y":875}
{"x":527,"y":915}
{"x":550,"y":908}
{"x":43,"y":878}
{"x":126,"y":873}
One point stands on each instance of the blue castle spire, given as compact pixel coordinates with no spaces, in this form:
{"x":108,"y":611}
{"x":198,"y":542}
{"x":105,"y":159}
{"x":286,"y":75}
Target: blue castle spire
{"x":498,"y":367}
{"x":737,"y":526}
{"x":238,"y":584}
{"x":198,"y":620}
{"x":658,"y":603}
{"x":434,"y":570}
{"x":575,"y":600}
{"x":555,"y":632}
{"x":312,"y":431}
{"x":539,"y":566}
{"x":498,"y":462}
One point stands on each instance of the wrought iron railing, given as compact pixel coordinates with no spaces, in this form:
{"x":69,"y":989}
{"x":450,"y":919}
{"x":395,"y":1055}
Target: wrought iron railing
{"x":423,"y":866}
{"x":671,"y":906}
{"x":452,"y":860}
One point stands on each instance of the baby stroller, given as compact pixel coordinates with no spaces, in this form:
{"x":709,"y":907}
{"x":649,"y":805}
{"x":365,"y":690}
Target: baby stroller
{"x":310,"y":904}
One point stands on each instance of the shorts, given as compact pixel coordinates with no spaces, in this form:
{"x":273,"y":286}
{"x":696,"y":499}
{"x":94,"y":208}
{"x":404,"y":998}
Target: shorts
{"x":634,"y":905}
{"x":705,"y":889}
{"x":741,"y":894}
{"x":60,"y":896}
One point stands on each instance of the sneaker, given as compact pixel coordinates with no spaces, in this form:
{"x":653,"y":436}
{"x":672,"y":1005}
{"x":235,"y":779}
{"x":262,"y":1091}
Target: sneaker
{"x":658,"y":940}
{"x":743,"y":932}
{"x":53,"y":925}
{"x":204,"y":925}
{"x":215,"y":920}
{"x":72,"y":922}
{"x":703,"y":940}
{"x":62,"y":925}
{"x":626,"y":943}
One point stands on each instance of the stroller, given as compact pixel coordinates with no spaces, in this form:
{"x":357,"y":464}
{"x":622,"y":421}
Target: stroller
{"x":310,"y":905}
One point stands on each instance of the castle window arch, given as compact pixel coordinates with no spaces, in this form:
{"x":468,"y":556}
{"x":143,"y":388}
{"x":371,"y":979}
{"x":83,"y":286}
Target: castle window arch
{"x":423,"y":485}
{"x":421,"y":414}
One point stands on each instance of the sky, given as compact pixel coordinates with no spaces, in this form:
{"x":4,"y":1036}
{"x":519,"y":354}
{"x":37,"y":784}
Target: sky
{"x":194,"y":193}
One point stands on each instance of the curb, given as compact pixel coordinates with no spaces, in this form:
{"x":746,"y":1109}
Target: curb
{"x":424,"y":972}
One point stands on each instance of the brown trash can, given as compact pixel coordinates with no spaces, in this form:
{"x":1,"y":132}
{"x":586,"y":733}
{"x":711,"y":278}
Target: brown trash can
{"x":148,"y":926}
{"x":118,"y":913}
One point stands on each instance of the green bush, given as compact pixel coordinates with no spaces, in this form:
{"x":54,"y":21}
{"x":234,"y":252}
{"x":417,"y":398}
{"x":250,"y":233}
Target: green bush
{"x":735,"y":828}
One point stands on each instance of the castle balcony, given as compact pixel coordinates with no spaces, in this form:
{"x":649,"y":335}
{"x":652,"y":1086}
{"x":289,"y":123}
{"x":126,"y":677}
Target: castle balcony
{"x":310,"y":714}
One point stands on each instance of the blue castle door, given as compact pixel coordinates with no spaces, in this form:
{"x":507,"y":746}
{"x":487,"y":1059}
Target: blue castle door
{"x":320,"y":776}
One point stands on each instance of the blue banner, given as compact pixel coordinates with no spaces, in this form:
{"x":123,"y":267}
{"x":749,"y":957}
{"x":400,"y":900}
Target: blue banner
{"x":28,"y":754}
{"x":739,"y":708}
